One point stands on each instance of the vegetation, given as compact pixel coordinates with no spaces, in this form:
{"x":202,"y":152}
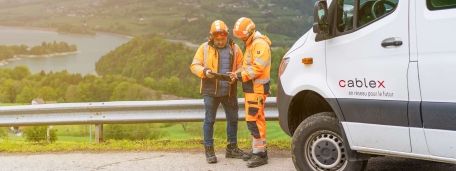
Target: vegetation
{"x":142,"y":69}
{"x":146,"y":68}
{"x":161,"y":65}
{"x":285,"y":20}
{"x":74,"y":29}
{"x":172,"y":137}
{"x":44,"y":48}
{"x":127,"y":145}
{"x":39,"y":134}
{"x":18,"y":85}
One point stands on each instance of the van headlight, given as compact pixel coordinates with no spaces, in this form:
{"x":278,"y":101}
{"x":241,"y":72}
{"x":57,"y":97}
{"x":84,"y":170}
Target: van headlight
{"x":283,"y":65}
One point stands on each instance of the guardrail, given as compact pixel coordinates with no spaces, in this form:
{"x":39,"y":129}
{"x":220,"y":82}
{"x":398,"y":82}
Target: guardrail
{"x":121,"y":112}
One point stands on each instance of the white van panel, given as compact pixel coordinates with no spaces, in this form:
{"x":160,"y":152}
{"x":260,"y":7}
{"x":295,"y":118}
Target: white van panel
{"x":443,"y":142}
{"x":436,"y":40}
{"x":298,"y":77}
{"x":359,"y":55}
{"x":437,"y":60}
{"x":383,"y":137}
{"x":418,"y":141}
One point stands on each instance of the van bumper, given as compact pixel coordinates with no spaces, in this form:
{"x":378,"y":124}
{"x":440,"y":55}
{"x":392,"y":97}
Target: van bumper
{"x":283,"y":104}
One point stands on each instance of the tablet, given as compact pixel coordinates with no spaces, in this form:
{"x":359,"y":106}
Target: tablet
{"x":220,"y":76}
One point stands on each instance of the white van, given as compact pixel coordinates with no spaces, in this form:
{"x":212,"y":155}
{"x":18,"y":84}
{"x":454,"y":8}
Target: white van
{"x":373,"y":77}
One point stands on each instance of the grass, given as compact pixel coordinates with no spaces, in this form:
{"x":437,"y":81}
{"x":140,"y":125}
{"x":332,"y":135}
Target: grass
{"x":8,"y":146}
{"x":172,"y":137}
{"x":9,"y":104}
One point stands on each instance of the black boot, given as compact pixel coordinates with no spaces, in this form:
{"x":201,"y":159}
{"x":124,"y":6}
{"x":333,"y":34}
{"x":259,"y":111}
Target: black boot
{"x":210,"y":154}
{"x":232,"y":151}
{"x":247,"y":156}
{"x":258,"y":159}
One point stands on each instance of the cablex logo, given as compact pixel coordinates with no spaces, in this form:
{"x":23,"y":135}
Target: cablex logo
{"x":360,"y":83}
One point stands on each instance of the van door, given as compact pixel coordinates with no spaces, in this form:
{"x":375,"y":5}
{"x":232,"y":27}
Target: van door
{"x":436,"y":37}
{"x":367,"y":65}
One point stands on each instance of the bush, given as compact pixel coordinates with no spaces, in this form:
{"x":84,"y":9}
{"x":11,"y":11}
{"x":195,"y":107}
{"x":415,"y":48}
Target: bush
{"x":3,"y":132}
{"x":38,"y":134}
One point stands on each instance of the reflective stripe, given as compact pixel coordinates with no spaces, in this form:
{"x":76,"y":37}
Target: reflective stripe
{"x":250,"y":71}
{"x":261,"y":81}
{"x":234,"y":58}
{"x":197,"y":67}
{"x":258,"y":145}
{"x":196,"y":61}
{"x":205,"y":52}
{"x":248,"y":58}
{"x":262,"y":62}
{"x":259,"y":142}
{"x":198,"y":70}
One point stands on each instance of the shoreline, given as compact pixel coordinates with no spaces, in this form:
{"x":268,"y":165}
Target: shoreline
{"x":50,"y":29}
{"x":54,"y":30}
{"x":19,"y":57}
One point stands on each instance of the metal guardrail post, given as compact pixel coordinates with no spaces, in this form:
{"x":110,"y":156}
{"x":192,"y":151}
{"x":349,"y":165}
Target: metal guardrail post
{"x":48,"y":134}
{"x":98,"y":133}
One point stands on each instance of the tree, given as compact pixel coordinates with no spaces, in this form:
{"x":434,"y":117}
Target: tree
{"x":20,"y":72}
{"x":26,"y":95}
{"x":131,"y":91}
{"x":48,"y":94}
{"x":8,"y":91}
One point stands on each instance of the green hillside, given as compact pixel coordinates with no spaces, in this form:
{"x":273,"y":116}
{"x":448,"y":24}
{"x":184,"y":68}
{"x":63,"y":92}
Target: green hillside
{"x":283,"y":20}
{"x":162,"y":65}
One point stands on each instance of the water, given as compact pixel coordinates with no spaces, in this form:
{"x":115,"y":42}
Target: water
{"x":90,"y":49}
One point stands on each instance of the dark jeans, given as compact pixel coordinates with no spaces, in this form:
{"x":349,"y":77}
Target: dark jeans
{"x":230,"y":105}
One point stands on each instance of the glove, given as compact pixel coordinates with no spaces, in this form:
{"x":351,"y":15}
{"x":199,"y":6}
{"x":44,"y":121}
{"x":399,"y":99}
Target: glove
{"x":209,"y":74}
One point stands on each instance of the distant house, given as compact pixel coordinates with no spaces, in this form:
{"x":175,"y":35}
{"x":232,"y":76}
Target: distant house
{"x":38,"y":101}
{"x":192,"y":19}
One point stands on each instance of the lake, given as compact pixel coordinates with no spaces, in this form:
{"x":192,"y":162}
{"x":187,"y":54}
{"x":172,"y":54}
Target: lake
{"x":90,"y":49}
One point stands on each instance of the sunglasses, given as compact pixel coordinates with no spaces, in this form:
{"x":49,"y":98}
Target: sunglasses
{"x":220,"y":34}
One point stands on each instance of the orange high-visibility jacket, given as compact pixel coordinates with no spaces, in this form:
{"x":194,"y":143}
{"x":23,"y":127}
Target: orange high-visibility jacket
{"x":207,"y":58}
{"x":255,"y":72}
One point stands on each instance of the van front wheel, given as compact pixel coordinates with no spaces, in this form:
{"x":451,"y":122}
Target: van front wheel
{"x":318,"y":146}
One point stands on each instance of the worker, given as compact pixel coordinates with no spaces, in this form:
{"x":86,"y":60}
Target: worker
{"x":219,"y":55}
{"x":255,"y":77}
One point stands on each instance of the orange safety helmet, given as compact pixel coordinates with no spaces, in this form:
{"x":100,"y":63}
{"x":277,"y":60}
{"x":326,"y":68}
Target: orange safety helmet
{"x":243,"y":28}
{"x":218,"y":29}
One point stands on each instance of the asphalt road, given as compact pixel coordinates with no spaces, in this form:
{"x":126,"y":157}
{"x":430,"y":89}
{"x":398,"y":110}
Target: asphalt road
{"x":182,"y":161}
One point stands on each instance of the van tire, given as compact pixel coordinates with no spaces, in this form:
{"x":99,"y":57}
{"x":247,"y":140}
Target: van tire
{"x":321,"y":132}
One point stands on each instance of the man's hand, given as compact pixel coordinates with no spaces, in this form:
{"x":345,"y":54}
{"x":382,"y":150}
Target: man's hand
{"x":209,"y":74}
{"x":233,"y":77}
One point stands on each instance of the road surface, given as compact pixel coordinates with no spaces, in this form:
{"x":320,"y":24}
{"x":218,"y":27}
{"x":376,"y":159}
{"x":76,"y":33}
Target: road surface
{"x":182,"y":161}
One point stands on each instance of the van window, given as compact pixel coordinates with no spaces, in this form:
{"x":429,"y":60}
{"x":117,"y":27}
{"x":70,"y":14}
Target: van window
{"x":345,"y":14}
{"x":370,"y":10}
{"x":441,"y":4}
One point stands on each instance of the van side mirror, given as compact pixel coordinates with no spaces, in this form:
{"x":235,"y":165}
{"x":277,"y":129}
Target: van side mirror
{"x":320,"y":25}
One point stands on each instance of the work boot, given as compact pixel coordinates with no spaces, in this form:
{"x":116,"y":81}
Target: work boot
{"x":210,"y":154}
{"x":247,"y":156}
{"x":232,"y":151}
{"x":258,"y":159}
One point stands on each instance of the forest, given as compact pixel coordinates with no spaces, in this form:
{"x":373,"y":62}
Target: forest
{"x":45,"y":48}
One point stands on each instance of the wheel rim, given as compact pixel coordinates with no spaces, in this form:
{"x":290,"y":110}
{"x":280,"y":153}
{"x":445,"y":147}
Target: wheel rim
{"x":325,"y":151}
